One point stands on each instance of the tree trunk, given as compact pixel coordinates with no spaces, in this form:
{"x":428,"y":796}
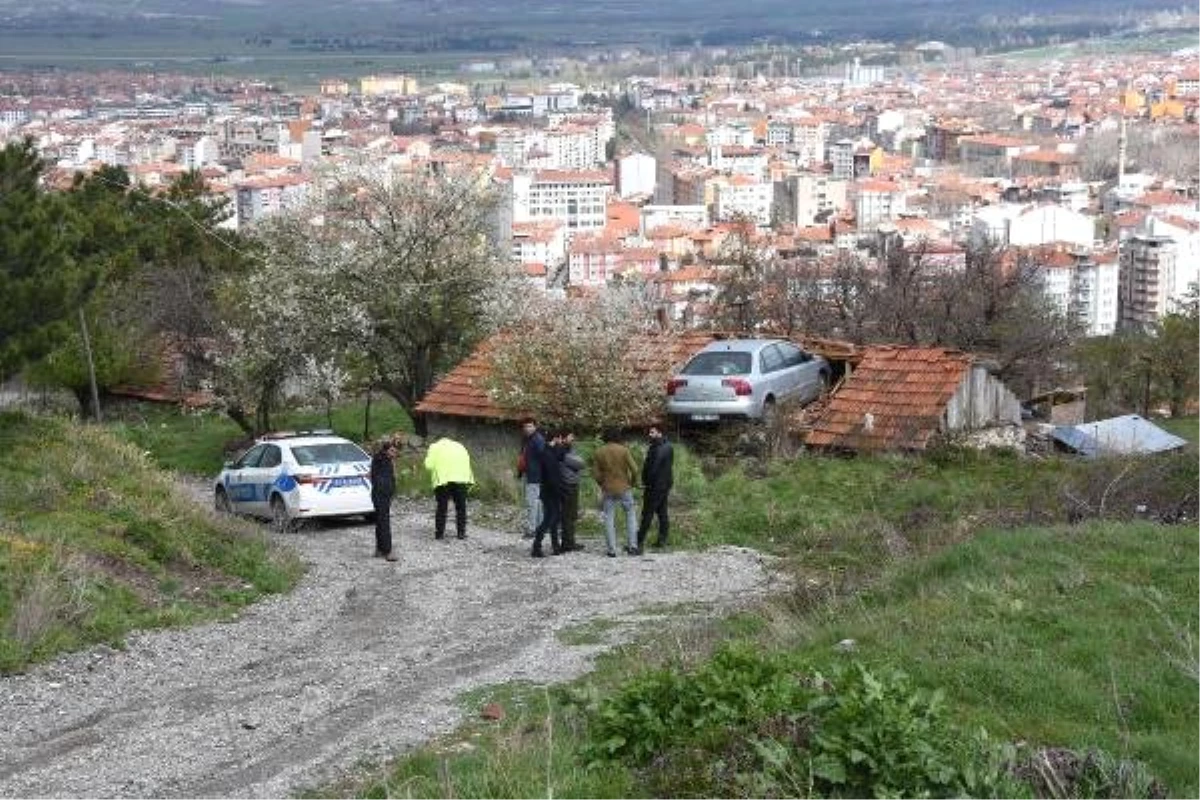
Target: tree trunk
{"x":367,"y":417}
{"x":238,"y":415}
{"x":91,"y":362}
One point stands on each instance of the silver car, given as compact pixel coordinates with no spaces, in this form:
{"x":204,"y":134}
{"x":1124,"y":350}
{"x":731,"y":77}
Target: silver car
{"x":745,"y":378}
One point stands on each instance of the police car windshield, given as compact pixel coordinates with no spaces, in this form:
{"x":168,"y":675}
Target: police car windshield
{"x":308,"y":455}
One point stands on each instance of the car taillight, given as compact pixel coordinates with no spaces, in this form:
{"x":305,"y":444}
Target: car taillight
{"x":741,"y":387}
{"x":674,"y":384}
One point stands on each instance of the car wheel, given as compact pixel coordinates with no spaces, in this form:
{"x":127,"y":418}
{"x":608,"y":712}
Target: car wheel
{"x":221,"y":502}
{"x":281,"y":521}
{"x":770,"y":412}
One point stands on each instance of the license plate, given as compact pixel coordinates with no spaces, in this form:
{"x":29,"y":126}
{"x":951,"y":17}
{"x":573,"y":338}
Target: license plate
{"x":338,"y":483}
{"x":705,"y":417}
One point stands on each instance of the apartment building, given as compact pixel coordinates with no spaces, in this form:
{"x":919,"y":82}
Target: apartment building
{"x":1160,"y":264}
{"x":877,"y":201}
{"x":594,"y":261}
{"x":742,"y":196}
{"x":576,"y":197}
{"x":263,"y":196}
{"x":808,"y":198}
{"x":1081,"y":286}
{"x":991,"y":154}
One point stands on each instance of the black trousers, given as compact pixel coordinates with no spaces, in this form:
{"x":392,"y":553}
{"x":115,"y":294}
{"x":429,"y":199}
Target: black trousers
{"x":383,"y":522}
{"x":570,"y":515}
{"x":654,"y":503}
{"x":444,"y":494}
{"x":551,"y":518}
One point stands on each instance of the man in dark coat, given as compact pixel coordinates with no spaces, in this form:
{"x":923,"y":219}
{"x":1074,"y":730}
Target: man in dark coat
{"x":552,"y":498}
{"x":383,"y":488}
{"x":657,"y":479}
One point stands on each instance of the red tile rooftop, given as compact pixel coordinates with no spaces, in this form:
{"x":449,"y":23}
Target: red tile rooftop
{"x":893,"y":399}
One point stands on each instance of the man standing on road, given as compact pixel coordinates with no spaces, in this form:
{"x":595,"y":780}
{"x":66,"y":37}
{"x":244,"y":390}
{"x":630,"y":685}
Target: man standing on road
{"x":657,"y":479}
{"x":572,"y":468}
{"x":529,"y":467}
{"x":383,"y":488}
{"x":615,"y":471}
{"x":552,"y":497}
{"x":449,"y":467}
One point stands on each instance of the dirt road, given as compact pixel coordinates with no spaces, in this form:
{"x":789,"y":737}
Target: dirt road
{"x":364,"y":659}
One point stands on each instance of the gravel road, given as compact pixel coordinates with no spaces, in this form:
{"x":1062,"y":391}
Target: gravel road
{"x":363,"y":660}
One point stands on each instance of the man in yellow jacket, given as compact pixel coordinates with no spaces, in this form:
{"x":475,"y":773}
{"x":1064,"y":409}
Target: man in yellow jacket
{"x":449,"y":466}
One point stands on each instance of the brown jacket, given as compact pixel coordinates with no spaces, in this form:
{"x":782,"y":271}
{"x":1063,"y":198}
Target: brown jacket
{"x":614,"y":469}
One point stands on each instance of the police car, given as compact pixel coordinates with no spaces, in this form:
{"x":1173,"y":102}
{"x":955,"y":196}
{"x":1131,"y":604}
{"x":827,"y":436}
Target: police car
{"x":289,"y":476}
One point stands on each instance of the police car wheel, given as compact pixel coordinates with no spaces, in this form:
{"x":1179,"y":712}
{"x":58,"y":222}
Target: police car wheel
{"x":280,"y":519}
{"x":221,"y":502}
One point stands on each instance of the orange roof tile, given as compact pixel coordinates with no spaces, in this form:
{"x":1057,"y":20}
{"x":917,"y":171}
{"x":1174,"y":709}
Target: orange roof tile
{"x":903,"y":389}
{"x":463,"y":391}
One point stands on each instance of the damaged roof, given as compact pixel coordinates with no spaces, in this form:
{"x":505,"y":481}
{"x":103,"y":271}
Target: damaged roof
{"x":893,"y":400}
{"x":463,"y":391}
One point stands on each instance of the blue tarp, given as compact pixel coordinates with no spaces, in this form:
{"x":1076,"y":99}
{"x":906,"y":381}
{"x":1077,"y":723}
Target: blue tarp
{"x":1117,"y":436}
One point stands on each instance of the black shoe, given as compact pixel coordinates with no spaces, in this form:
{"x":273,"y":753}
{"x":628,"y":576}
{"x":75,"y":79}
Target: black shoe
{"x":633,"y":551}
{"x":575,"y":548}
{"x":612,"y":554}
{"x":439,"y":536}
{"x":557,"y":551}
{"x":462,"y":536}
{"x":537,"y":553}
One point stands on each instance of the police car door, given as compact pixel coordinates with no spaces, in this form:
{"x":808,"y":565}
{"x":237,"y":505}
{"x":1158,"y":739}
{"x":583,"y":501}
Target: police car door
{"x":239,"y":484}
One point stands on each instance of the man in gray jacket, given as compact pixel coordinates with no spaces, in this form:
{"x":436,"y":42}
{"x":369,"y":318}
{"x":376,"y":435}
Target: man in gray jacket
{"x":572,"y":470}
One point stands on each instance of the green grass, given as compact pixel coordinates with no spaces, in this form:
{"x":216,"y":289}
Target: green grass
{"x":198,"y":443}
{"x":1184,"y":427}
{"x":96,"y":542}
{"x":958,"y":569}
{"x":1073,"y":636}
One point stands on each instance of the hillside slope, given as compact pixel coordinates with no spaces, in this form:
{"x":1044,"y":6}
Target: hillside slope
{"x":96,"y":542}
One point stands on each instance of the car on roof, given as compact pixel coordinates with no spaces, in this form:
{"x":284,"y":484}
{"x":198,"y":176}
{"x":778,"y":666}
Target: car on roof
{"x":745,"y":379}
{"x":295,"y":475}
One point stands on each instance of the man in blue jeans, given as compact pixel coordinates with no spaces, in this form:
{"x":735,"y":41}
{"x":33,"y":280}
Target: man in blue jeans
{"x":615,"y":470}
{"x":529,"y":467}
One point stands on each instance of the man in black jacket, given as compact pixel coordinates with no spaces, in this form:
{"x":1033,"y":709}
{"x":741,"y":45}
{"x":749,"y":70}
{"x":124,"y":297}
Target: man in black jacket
{"x":657,"y":479}
{"x":383,"y":488}
{"x":552,"y":498}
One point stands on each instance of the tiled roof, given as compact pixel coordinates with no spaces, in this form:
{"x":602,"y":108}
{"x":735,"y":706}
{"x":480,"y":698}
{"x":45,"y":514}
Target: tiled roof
{"x":463,"y":391}
{"x":904,"y":390}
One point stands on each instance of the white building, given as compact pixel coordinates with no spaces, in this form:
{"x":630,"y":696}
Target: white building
{"x":579,"y":198}
{"x":742,"y":196}
{"x":878,"y":201}
{"x":636,"y":174}
{"x":1021,"y":225}
{"x":1082,"y":287}
{"x":266,"y":195}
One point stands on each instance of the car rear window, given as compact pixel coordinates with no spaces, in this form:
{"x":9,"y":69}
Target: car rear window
{"x":308,"y":455}
{"x":719,"y":363}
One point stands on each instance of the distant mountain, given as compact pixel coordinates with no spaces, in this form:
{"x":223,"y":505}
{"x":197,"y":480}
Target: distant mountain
{"x":483,"y":25}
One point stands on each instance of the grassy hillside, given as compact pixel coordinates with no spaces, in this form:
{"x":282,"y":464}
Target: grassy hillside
{"x":1046,"y":600}
{"x":1067,"y":636}
{"x":95,"y":541}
